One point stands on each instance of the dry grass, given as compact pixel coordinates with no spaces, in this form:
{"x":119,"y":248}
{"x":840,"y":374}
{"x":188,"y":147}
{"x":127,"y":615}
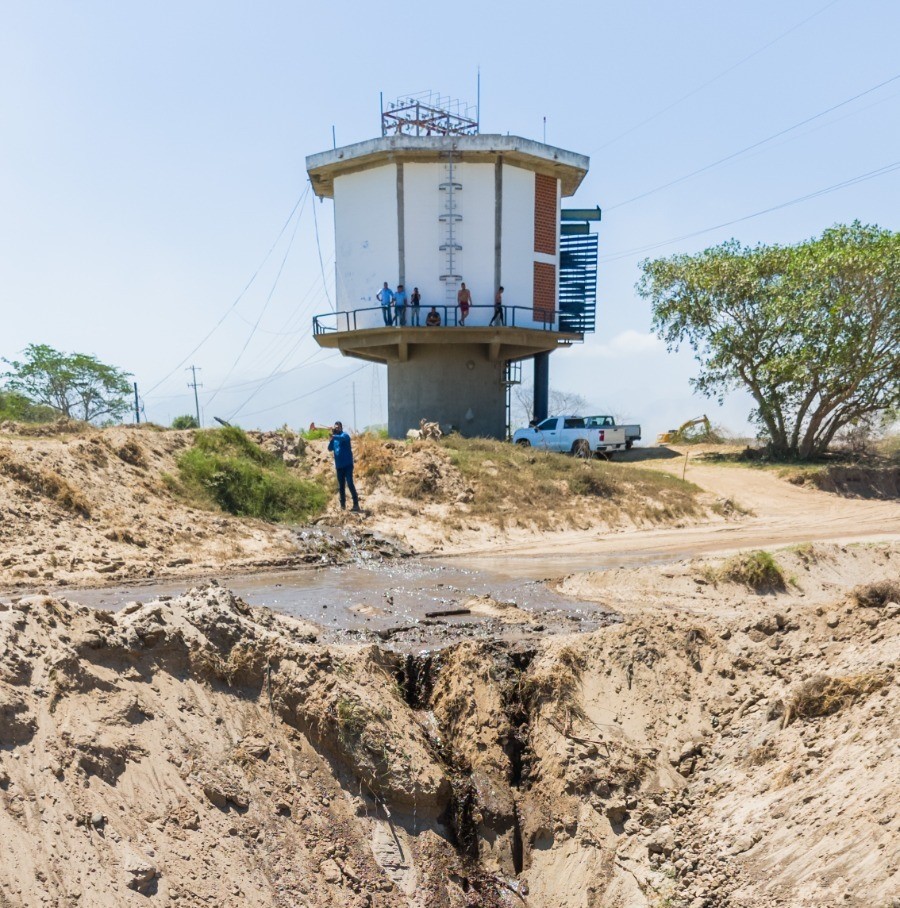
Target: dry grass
{"x":372,"y":456}
{"x":418,"y":486}
{"x":876,"y":595}
{"x":555,"y":687}
{"x":547,"y":489}
{"x":824,"y":695}
{"x":762,"y":754}
{"x":47,"y":484}
{"x":131,"y":452}
{"x":245,"y":664}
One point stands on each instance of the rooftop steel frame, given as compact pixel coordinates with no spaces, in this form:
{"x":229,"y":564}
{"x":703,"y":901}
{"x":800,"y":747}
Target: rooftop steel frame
{"x":428,"y":114}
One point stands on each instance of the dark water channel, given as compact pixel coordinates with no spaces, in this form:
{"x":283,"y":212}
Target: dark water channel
{"x":389,"y":602}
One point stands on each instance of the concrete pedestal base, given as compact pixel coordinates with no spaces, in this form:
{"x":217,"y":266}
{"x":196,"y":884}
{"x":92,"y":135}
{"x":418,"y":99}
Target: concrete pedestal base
{"x":454,"y":385}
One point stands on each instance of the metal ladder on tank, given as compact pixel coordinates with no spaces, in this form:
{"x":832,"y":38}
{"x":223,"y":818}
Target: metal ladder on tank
{"x":450,"y":219}
{"x":512,"y":375}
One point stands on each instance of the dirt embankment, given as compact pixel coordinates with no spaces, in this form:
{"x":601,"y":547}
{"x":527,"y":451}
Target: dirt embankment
{"x":82,"y":506}
{"x":719,"y":748}
{"x":92,"y":506}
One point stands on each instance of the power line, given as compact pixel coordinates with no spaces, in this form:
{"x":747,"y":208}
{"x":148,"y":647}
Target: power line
{"x":293,"y":316}
{"x":736,"y":154}
{"x":267,"y":381}
{"x":715,"y":78}
{"x":240,"y":296}
{"x":293,"y":400}
{"x":861,"y":178}
{"x":319,"y":247}
{"x":268,"y":298}
{"x":239,"y":385}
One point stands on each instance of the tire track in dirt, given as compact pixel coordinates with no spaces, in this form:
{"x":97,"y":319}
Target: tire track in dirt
{"x":781,"y":514}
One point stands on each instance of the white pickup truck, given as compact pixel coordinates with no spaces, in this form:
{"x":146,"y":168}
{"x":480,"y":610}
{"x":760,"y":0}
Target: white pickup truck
{"x":571,"y":435}
{"x":632,"y":430}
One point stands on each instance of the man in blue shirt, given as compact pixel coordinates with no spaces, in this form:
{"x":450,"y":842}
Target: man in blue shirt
{"x":385,"y":296}
{"x":339,"y":443}
{"x":400,"y":305}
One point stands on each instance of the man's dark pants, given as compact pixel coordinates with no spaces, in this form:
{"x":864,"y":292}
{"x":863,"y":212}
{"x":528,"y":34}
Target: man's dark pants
{"x":345,"y":478}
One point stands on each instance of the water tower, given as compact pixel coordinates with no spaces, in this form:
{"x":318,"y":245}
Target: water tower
{"x":431,"y":204}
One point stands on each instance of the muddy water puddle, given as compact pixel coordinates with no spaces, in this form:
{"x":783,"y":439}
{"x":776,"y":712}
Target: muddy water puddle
{"x":393,"y":603}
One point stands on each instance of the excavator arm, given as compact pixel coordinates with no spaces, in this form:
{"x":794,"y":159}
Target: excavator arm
{"x":673,"y":436}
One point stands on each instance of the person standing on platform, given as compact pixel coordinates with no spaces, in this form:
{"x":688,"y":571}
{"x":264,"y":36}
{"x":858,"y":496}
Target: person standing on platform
{"x":400,"y":306}
{"x":498,"y":307}
{"x":415,"y":301}
{"x":385,"y":296}
{"x":464,"y":301}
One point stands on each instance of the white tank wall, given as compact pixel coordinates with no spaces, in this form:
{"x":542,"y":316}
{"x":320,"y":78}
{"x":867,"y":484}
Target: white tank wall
{"x":423,"y":234}
{"x":476,"y":205}
{"x":517,"y":234}
{"x":367,"y":246}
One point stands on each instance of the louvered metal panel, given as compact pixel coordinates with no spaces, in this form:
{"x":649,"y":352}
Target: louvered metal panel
{"x":578,"y":283}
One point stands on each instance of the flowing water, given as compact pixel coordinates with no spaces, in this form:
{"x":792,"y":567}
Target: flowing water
{"x":391,"y":601}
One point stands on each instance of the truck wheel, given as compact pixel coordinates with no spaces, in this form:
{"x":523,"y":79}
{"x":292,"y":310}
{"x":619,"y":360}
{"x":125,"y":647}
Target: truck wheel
{"x":581,"y":448}
{"x":628,"y":445}
{"x":523,"y":443}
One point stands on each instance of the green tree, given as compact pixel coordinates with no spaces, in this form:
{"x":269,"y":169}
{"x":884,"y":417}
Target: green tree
{"x":812,"y":331}
{"x":185,"y":422}
{"x":18,"y":408}
{"x":76,"y":385}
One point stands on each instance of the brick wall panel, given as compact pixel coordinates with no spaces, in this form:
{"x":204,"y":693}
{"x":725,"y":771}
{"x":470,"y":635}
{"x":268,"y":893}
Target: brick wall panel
{"x":544,"y":291}
{"x":545,"y":226}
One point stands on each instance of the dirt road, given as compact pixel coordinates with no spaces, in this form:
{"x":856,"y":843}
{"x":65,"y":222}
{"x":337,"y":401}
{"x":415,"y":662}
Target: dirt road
{"x":780,"y":514}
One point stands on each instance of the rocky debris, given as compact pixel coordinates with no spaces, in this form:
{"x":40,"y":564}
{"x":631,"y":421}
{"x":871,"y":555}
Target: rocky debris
{"x":140,"y":874}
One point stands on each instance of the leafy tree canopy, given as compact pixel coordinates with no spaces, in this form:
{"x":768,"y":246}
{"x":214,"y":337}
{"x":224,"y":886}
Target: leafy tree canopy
{"x":812,"y":331}
{"x":76,"y":385}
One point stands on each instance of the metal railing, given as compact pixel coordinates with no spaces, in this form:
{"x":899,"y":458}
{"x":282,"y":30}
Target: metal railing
{"x":479,"y":317}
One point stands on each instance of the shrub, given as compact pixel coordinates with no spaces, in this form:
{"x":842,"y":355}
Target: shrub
{"x":185,"y":422}
{"x":757,"y":570}
{"x":314,"y":434}
{"x":878,"y":594}
{"x":226,"y":468}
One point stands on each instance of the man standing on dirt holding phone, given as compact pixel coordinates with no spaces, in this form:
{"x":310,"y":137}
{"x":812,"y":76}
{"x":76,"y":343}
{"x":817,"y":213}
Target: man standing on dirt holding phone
{"x":339,"y":443}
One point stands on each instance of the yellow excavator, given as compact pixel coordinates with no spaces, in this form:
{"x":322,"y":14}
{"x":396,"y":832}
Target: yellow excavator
{"x":674,"y":436}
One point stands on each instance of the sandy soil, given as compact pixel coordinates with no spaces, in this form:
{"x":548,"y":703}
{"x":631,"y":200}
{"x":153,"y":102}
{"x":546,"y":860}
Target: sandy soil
{"x":720,"y":747}
{"x":197,"y":751}
{"x":769,"y":513}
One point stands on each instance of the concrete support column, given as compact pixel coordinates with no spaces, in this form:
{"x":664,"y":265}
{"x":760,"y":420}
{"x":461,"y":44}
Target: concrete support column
{"x":541,"y":385}
{"x":452,"y":384}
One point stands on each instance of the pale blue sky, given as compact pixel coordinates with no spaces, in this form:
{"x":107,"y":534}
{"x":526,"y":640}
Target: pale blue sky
{"x":151,"y":153}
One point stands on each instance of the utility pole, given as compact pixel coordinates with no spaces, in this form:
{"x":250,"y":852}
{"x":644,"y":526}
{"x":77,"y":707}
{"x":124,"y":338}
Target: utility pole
{"x":137,"y":407}
{"x":193,"y":384}
{"x":355,"y":427}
